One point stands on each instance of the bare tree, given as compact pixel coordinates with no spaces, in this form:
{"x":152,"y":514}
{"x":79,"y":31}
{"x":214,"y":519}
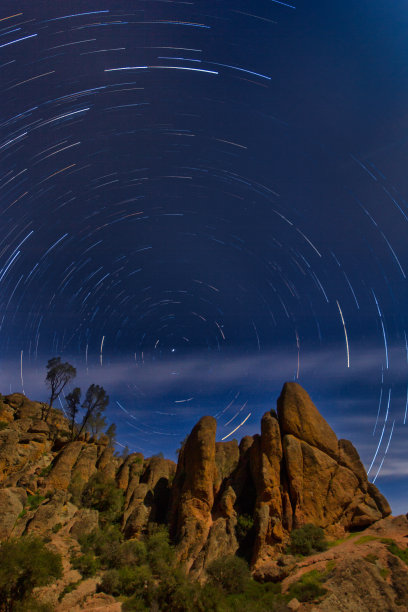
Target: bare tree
{"x":58,"y":376}
{"x":73,"y":400}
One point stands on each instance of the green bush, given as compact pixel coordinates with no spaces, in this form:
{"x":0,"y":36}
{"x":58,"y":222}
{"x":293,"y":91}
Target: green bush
{"x":56,"y":527}
{"x":4,"y":425}
{"x":45,"y":471}
{"x":35,"y":500}
{"x":307,"y":540}
{"x":110,"y":583}
{"x":25,"y":564}
{"x":160,"y":553}
{"x":229,"y":573}
{"x":75,"y":487}
{"x":309,"y":587}
{"x":102,"y":494}
{"x":244,"y":525}
{"x":86,"y":564}
{"x":402,"y":553}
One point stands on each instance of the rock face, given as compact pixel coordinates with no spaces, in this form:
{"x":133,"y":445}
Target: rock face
{"x":220,"y":499}
{"x":296,"y":472}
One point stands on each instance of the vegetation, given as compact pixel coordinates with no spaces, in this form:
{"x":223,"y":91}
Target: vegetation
{"x":309,"y":587}
{"x":35,"y":500}
{"x":25,"y":564}
{"x":307,"y":540}
{"x":94,"y":404}
{"x":58,"y":376}
{"x":73,"y":399}
{"x":402,"y":553}
{"x":102,"y":494}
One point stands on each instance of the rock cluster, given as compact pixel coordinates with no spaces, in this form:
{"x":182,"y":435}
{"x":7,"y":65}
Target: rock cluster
{"x":295,"y":472}
{"x":220,"y":499}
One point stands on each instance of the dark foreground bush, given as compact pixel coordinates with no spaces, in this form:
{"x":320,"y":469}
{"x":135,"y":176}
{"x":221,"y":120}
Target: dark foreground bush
{"x":307,"y":540}
{"x":25,"y":564}
{"x":229,"y":573}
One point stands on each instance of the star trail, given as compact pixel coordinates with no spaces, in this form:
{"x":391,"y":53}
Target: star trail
{"x":200,"y":201}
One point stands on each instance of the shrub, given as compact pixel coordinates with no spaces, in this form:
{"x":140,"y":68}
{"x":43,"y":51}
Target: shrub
{"x":25,"y":564}
{"x":244,"y":525}
{"x":35,"y":500}
{"x":4,"y":425}
{"x":307,"y":540}
{"x":160,"y":554}
{"x":309,"y":587}
{"x":102,"y":494}
{"x":86,"y":564}
{"x":103,"y":543}
{"x":229,"y":573}
{"x":45,"y":471}
{"x":56,"y":528}
{"x":110,"y":583}
{"x":402,"y":553}
{"x":75,"y":487}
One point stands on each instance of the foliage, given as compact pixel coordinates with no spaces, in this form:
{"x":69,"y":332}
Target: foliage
{"x":111,"y":433}
{"x":244,"y":525}
{"x":58,"y":376}
{"x":68,"y":589}
{"x":75,"y":487}
{"x":4,"y":425}
{"x":35,"y":500}
{"x":309,"y":587}
{"x":72,"y":409}
{"x":307,"y":540}
{"x":102,"y":494}
{"x":94,"y":404}
{"x":56,"y":527}
{"x":229,"y":573}
{"x":402,"y":553}
{"x":86,"y":564}
{"x":45,"y":471}
{"x":366,"y":538}
{"x":25,"y":564}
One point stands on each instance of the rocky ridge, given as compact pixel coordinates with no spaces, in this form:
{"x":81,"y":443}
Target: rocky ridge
{"x":294,"y":472}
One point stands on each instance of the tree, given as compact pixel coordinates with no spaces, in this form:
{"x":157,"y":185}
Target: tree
{"x":25,"y":564}
{"x":96,"y":423}
{"x":73,"y":400}
{"x":111,"y":433}
{"x":94,"y":404}
{"x":58,"y":376}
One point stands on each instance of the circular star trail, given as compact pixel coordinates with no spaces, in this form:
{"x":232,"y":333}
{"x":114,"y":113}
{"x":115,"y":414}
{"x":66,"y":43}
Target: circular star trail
{"x":199,"y":201}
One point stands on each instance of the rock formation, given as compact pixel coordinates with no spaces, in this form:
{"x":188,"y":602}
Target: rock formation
{"x":220,"y":499}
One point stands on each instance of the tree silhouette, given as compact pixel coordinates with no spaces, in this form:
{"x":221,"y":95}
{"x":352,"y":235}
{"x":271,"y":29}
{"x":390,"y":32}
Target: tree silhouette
{"x":58,"y":376}
{"x":111,"y":433}
{"x":73,"y":400}
{"x":94,"y":404}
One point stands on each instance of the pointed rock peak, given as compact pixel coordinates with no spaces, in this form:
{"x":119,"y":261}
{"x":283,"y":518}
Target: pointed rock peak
{"x":299,"y":416}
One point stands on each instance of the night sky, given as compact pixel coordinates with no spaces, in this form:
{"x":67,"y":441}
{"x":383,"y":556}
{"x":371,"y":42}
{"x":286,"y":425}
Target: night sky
{"x":200,"y":200}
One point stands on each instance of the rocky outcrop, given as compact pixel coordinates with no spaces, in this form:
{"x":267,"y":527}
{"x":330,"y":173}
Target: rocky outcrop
{"x":220,"y":499}
{"x":193,"y":491}
{"x":150,"y":497}
{"x":295,"y":472}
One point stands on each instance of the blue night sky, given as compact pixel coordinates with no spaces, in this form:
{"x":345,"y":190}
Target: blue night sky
{"x":202,"y":200}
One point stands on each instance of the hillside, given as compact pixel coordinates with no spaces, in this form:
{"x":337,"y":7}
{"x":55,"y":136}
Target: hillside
{"x":221,"y":499}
